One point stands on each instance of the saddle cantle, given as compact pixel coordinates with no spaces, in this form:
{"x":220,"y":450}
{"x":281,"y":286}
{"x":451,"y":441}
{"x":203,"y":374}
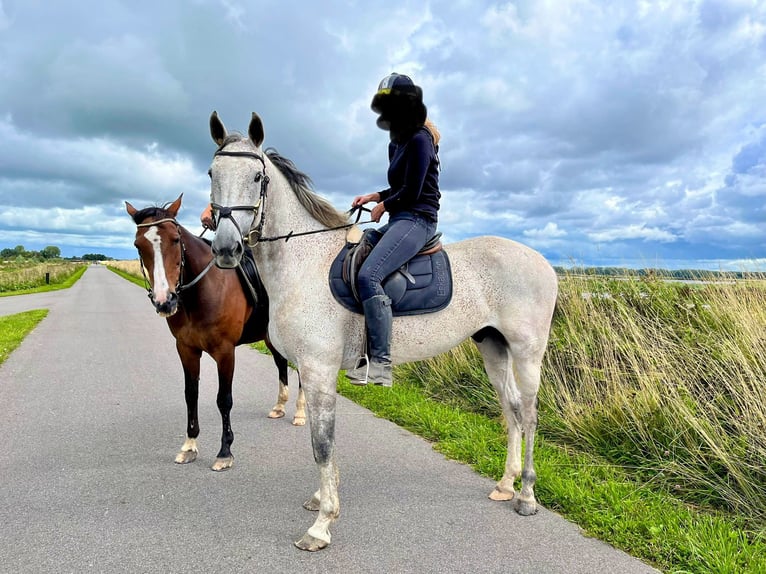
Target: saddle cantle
{"x":422,"y":285}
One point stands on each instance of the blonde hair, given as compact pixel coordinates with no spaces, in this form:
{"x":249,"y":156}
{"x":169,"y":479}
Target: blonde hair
{"x":429,"y":125}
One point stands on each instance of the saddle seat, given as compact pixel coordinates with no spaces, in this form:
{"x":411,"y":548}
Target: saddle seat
{"x":422,"y":285}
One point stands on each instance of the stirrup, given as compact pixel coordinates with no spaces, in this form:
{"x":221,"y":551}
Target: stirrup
{"x":358,"y":375}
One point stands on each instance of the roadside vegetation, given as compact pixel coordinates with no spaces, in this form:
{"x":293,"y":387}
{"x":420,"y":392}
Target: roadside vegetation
{"x":652,"y":417}
{"x":13,"y":329}
{"x":22,"y":277}
{"x":128,"y":269}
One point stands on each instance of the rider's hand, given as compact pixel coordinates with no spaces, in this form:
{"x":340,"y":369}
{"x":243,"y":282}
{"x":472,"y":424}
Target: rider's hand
{"x":206,"y":218}
{"x":377,"y":212}
{"x":367,"y":198}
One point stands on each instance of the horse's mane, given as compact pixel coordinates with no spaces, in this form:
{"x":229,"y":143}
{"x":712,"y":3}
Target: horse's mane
{"x":319,"y":208}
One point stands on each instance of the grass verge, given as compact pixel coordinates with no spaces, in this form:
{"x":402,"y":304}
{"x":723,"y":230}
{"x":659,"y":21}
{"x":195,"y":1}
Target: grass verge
{"x":606,"y":501}
{"x":13,"y":329}
{"x":129,"y":276}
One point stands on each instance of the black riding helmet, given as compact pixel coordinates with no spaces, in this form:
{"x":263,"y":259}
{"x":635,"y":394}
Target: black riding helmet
{"x":398,"y":100}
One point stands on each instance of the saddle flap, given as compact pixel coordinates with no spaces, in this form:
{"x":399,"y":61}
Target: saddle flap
{"x":423,"y":285}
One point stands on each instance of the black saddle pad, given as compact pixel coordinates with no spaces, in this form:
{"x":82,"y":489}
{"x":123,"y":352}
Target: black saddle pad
{"x":431,"y":290}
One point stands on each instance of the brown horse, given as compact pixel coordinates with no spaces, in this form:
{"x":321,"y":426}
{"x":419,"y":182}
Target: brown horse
{"x":207,"y":310}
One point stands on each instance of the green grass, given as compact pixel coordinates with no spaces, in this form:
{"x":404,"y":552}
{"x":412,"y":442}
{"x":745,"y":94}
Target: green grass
{"x":129,"y":276}
{"x":13,"y":329}
{"x":607,"y":501}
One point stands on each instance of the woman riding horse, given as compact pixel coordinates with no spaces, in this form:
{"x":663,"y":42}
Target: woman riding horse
{"x":412,"y":202}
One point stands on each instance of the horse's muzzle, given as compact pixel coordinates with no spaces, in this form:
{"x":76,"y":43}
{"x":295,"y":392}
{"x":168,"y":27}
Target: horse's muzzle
{"x":228,"y":257}
{"x":168,"y":307}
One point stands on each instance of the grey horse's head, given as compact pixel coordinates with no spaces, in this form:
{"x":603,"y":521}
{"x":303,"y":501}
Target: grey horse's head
{"x":235,"y":182}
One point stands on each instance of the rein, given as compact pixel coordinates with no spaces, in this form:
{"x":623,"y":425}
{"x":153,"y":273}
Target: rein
{"x":255,"y":234}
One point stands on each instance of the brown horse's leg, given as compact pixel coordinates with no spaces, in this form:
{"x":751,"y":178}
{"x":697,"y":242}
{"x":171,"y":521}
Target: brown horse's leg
{"x":190,"y":360}
{"x":225,"y":361}
{"x":278,"y":410}
{"x":300,"y":406}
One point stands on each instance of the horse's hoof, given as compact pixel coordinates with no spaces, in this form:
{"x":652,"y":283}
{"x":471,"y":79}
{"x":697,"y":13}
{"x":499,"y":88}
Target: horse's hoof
{"x":275,"y":414}
{"x":299,"y":421}
{"x":222,"y":464}
{"x":186,"y":456}
{"x":525,"y":507}
{"x":310,"y":543}
{"x":312,"y":504}
{"x":500,"y":495}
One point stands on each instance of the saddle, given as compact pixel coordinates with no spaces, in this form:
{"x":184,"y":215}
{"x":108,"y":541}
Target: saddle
{"x":422,"y":285}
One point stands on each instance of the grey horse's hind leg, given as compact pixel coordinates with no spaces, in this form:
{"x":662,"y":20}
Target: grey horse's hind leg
{"x":498,"y":364}
{"x":516,"y":378}
{"x":528,"y":382}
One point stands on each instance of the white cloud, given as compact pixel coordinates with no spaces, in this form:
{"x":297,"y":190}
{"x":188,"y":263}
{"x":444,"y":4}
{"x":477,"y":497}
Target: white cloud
{"x":550,"y":231}
{"x":633,"y":231}
{"x":637,"y":128}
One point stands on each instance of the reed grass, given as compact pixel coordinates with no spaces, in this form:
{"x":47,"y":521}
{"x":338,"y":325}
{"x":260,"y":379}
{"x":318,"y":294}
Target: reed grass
{"x":664,"y":380}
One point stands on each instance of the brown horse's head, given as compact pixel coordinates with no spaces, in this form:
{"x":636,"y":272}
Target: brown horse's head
{"x":160,"y":250}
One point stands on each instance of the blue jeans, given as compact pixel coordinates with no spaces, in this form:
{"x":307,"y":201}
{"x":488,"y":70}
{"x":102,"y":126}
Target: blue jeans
{"x":404,"y":236}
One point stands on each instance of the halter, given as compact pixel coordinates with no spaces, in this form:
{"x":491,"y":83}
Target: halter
{"x":255,"y":234}
{"x":180,"y":286}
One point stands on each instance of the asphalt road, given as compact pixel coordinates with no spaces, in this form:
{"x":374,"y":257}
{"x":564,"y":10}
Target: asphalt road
{"x":93,"y":415}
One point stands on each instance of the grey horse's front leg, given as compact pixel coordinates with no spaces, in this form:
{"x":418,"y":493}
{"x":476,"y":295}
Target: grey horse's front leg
{"x":321,"y":413}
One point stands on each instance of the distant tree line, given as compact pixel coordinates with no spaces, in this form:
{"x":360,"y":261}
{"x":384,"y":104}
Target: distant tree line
{"x":662,"y":274}
{"x":19,"y":253}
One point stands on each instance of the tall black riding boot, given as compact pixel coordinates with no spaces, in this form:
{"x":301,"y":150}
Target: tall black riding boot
{"x":377,"y":315}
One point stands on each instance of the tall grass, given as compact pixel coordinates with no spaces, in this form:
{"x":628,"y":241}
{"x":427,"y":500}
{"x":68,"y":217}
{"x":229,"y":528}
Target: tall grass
{"x":30,"y":275}
{"x":665,"y":380}
{"x":129,"y":266}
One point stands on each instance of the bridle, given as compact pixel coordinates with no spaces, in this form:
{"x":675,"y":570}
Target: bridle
{"x":180,"y":285}
{"x":255,"y":233}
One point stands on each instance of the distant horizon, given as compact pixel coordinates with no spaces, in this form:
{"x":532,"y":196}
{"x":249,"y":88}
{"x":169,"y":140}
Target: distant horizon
{"x":752,"y":265}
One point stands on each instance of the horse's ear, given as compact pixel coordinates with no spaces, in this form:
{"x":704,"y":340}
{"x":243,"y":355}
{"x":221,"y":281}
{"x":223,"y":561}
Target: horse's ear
{"x":255,"y":130}
{"x":175,"y":206}
{"x":130,"y":209}
{"x":217,"y":129}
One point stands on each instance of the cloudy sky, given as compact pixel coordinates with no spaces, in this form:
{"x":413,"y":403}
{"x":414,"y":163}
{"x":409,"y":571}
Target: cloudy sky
{"x":628,"y":133}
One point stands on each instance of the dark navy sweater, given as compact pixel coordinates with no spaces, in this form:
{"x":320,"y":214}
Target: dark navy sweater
{"x":413,"y":174}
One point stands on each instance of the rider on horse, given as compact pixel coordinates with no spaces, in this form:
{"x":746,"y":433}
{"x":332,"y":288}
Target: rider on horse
{"x":412,"y":202}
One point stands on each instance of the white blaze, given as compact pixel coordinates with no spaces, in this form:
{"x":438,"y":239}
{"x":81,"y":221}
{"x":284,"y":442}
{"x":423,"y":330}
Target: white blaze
{"x":160,"y":286}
